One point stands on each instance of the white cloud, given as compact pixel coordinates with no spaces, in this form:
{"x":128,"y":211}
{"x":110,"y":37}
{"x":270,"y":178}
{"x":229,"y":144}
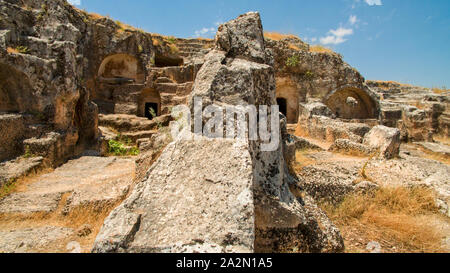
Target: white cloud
{"x":336,"y":36}
{"x":205,"y":32}
{"x":74,"y":2}
{"x":374,"y":2}
{"x":353,"y":19}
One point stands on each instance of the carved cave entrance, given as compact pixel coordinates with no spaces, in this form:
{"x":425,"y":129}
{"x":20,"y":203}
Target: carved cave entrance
{"x":282,"y":102}
{"x":151,"y":110}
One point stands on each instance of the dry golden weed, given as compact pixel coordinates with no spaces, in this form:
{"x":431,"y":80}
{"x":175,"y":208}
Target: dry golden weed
{"x":399,"y":217}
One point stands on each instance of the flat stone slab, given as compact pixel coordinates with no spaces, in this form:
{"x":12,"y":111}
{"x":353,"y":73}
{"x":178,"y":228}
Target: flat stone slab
{"x":17,"y":168}
{"x":87,"y":180}
{"x":30,"y":240}
{"x":437,"y":148}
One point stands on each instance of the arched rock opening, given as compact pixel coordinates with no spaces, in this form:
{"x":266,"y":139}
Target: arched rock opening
{"x":16,"y":92}
{"x":121,"y":68}
{"x":149,"y":99}
{"x":288,"y":99}
{"x":352,"y":103}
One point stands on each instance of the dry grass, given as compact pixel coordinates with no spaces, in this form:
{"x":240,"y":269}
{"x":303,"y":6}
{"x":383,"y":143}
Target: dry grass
{"x":396,"y":217}
{"x":156,"y":42}
{"x":442,"y":139}
{"x":92,"y":215}
{"x":434,"y":156}
{"x":173,"y":49}
{"x":11,"y":50}
{"x":440,"y":90}
{"x":96,"y":16}
{"x":278,"y":36}
{"x":20,"y":184}
{"x":320,"y":49}
{"x":302,"y":160}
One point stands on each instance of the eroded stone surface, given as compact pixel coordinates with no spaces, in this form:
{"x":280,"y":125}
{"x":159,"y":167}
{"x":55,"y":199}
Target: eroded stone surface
{"x":87,"y":181}
{"x":30,"y":240}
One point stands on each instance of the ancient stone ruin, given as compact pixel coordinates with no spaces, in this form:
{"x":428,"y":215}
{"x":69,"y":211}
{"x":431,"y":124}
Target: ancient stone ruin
{"x":86,"y":113}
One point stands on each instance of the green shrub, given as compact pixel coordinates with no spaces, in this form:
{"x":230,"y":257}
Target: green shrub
{"x":293,"y":61}
{"x":119,"y":148}
{"x":27,"y":153}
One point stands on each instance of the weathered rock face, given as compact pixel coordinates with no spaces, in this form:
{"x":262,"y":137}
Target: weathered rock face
{"x":419,"y":113}
{"x":243,"y":38}
{"x":386,"y":139}
{"x":221,"y":195}
{"x":322,"y":76}
{"x":41,"y":72}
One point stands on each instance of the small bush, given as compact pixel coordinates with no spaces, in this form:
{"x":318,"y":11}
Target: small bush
{"x":171,"y":40}
{"x":173,"y":49}
{"x":293,"y":61}
{"x":7,"y":188}
{"x":18,"y":49}
{"x":118,"y":148}
{"x":27,"y":153}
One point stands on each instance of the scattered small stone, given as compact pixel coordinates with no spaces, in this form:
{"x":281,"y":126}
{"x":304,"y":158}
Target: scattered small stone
{"x":374,"y":247}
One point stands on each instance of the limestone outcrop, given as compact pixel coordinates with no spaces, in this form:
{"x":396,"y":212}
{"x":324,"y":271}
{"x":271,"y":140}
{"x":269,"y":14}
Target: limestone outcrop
{"x":222,"y":195}
{"x":386,"y":139}
{"x":41,"y":71}
{"x":418,"y":112}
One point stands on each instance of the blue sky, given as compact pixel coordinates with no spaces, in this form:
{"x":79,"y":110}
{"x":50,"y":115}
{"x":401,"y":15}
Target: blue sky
{"x":400,"y":40}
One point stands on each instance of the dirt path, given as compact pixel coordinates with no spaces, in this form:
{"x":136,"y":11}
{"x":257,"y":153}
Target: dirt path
{"x":62,"y":211}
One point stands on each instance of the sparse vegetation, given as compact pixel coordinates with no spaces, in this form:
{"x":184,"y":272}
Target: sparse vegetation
{"x":27,"y":153}
{"x":302,"y":159}
{"x":7,"y":188}
{"x":18,"y":49}
{"x":309,"y":75}
{"x":441,"y":90}
{"x":396,"y":217}
{"x":119,"y":148}
{"x":293,"y":61}
{"x":320,"y":49}
{"x":278,"y":36}
{"x":171,"y":40}
{"x":173,"y":49}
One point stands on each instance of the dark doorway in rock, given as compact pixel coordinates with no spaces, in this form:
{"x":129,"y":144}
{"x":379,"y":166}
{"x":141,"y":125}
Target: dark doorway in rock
{"x":151,"y":110}
{"x":164,"y":61}
{"x":282,"y":102}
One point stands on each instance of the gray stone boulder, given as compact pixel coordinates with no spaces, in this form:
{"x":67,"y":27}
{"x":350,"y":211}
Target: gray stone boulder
{"x":243,"y":38}
{"x":386,"y":139}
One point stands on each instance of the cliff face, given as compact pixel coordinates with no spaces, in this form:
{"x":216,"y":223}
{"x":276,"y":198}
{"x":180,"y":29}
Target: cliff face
{"x":41,"y":63}
{"x":50,"y":54}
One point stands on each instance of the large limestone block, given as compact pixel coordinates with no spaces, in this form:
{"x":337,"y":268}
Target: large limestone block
{"x":198,"y":192}
{"x":386,"y":139}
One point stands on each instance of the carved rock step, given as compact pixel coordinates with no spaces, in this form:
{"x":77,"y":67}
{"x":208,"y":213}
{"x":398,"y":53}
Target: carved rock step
{"x":135,"y":136}
{"x":129,"y":123}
